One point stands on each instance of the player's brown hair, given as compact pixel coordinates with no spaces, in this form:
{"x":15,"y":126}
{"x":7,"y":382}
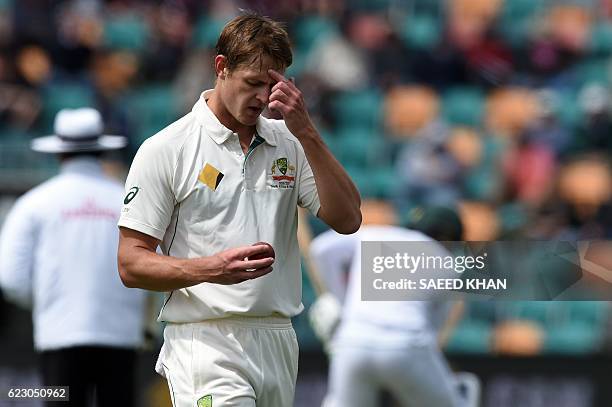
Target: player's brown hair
{"x":249,"y":37}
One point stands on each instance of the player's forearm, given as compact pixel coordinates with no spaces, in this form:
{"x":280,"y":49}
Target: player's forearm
{"x":339,"y":198}
{"x":141,"y":268}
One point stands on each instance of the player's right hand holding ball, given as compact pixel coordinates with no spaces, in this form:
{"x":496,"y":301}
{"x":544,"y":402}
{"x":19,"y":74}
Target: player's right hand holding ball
{"x":268,"y":253}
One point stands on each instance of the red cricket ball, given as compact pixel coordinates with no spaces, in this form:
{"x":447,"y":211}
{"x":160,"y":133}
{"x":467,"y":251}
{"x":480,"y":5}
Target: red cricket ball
{"x":268,"y":253}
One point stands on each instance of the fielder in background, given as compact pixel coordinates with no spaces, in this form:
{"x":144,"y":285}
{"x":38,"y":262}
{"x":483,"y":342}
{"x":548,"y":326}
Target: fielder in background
{"x":382,"y":345}
{"x":218,"y":191}
{"x":58,"y":256}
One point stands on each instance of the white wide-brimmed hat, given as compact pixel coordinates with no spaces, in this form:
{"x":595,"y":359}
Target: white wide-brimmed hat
{"x":78,"y":130}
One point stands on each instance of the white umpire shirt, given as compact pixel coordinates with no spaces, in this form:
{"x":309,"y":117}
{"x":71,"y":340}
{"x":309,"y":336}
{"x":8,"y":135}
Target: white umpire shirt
{"x":58,"y":253}
{"x":192,"y":187}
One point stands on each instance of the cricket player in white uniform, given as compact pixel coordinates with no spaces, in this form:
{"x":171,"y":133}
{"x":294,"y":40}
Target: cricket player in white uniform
{"x":206,"y":189}
{"x":383,"y":345}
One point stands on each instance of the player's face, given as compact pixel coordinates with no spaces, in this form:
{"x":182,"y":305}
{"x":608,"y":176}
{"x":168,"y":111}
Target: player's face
{"x":246,"y":90}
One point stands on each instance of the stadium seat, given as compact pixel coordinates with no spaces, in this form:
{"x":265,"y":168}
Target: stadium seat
{"x":152,"y":108}
{"x":376,"y":183}
{"x":359,"y":109}
{"x":206,"y":32}
{"x":61,"y":96}
{"x":421,"y":31}
{"x":516,"y":20}
{"x":593,"y":313}
{"x":311,"y":29}
{"x":544,"y":313}
{"x":574,"y":338}
{"x":566,"y":109}
{"x":470,"y":337}
{"x":126,"y":32}
{"x":463,"y":105}
{"x":601,"y":39}
{"x":358,"y":147}
{"x":593,"y":70}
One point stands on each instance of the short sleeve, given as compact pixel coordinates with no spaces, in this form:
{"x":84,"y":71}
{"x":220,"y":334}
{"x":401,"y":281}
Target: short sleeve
{"x":149,"y":198}
{"x":333,"y":255}
{"x":308,"y":197}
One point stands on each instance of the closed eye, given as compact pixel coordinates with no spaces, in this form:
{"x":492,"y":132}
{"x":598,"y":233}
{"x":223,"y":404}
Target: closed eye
{"x":254,"y":83}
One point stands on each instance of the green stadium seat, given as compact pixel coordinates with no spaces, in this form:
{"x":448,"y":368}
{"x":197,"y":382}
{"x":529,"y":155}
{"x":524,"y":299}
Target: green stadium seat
{"x":358,"y":147}
{"x":297,"y":66}
{"x":519,"y":9}
{"x":309,"y":30}
{"x":126,"y":32}
{"x":376,"y":183}
{"x":542,"y":312}
{"x":567,"y":109}
{"x":517,"y":18}
{"x":206,"y":32}
{"x":359,"y":109}
{"x":594,"y":313}
{"x":574,"y":338}
{"x":582,"y":329}
{"x":19,"y":162}
{"x":421,"y":31}
{"x":593,"y":70}
{"x":64,"y":96}
{"x":601,"y":38}
{"x":152,"y":108}
{"x":463,"y":105}
{"x":480,"y":184}
{"x":513,"y":216}
{"x":470,"y":337}
{"x":6,"y":5}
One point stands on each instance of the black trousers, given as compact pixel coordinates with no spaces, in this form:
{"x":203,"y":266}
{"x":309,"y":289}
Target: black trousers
{"x":103,"y":374}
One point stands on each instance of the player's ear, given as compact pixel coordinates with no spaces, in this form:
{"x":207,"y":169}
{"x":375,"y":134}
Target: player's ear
{"x":221,"y":66}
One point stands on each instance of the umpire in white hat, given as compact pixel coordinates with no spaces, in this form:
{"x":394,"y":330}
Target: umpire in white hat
{"x":58,"y":256}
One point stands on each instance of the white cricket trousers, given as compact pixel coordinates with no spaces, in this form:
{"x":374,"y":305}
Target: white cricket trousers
{"x":416,"y":376}
{"x":230,"y":362}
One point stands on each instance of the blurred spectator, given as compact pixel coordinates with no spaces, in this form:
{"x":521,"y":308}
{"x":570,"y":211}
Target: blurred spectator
{"x":585,"y":194}
{"x":547,"y":129}
{"x":595,"y":131}
{"x":339,"y":62}
{"x":79,"y":33}
{"x":20,"y":82}
{"x":480,"y":221}
{"x":427,"y":173}
{"x":562,"y":40}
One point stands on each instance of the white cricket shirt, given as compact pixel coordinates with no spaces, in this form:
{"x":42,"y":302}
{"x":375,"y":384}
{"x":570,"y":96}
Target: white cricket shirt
{"x":373,"y":323}
{"x":192,"y":187}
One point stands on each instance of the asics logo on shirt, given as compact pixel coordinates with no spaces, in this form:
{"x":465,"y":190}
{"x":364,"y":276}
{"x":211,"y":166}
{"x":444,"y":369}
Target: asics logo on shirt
{"x":131,"y":194}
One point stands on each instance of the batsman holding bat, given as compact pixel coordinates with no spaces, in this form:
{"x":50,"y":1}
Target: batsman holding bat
{"x":209,"y":187}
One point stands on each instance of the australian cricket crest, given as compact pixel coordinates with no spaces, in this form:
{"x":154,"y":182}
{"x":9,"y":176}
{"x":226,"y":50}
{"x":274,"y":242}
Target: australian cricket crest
{"x":282,"y":174}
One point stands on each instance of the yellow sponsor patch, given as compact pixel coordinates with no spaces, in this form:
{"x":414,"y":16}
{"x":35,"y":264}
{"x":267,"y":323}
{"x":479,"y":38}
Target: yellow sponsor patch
{"x":210,"y":176}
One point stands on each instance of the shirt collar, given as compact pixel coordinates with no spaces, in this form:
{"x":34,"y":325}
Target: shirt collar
{"x":218,"y":132}
{"x":87,"y":165}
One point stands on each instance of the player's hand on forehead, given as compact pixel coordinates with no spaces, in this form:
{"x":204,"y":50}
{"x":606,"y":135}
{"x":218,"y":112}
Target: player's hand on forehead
{"x":287,"y":99}
{"x":281,"y":82}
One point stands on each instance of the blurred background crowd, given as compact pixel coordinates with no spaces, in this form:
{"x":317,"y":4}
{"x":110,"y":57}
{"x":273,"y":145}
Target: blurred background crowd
{"x":501,"y":107}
